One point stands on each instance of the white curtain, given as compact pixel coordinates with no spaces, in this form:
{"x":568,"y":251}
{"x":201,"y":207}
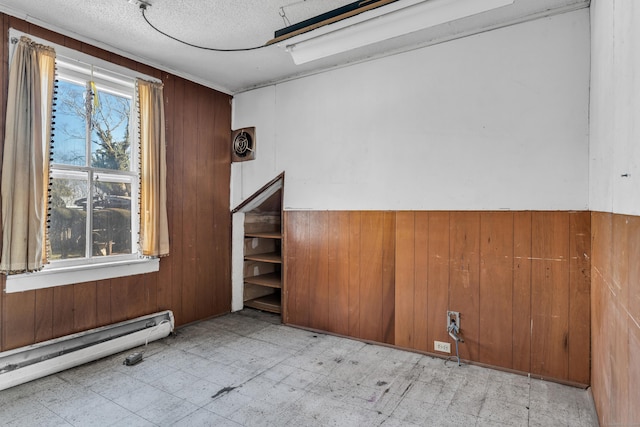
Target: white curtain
{"x":154,"y":230}
{"x":25,"y":162}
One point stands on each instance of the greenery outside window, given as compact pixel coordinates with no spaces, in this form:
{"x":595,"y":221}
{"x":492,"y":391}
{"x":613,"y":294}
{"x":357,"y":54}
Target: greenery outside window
{"x":94,"y":175}
{"x":93,"y":171}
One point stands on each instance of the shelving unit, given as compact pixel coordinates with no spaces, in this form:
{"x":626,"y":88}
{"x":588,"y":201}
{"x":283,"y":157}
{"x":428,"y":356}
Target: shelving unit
{"x":262,"y":251}
{"x":263,"y":260}
{"x":262,"y":280}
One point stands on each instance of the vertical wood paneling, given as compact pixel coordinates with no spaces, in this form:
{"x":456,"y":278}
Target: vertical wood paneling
{"x":550,"y":294}
{"x":601,"y":238}
{"x":405,"y":278}
{"x":204,"y":240}
{"x":371,"y":253}
{"x":496,"y":289}
{"x":189,"y":223}
{"x":388,"y":277}
{"x":18,"y":324}
{"x":175,"y":152}
{"x":198,"y":122}
{"x":438,"y":285}
{"x":103,"y":304}
{"x":617,"y":321}
{"x":464,"y":286}
{"x":478,"y":263}
{"x":63,"y":304}
{"x":221,"y":214}
{"x":44,"y":315}
{"x":633,"y":231}
{"x":355,"y":233}
{"x":85,"y":310}
{"x":319,"y":270}
{"x":521,"y":347}
{"x":297,"y":268}
{"x":421,"y":290}
{"x":579,"y":297}
{"x":339,"y":272}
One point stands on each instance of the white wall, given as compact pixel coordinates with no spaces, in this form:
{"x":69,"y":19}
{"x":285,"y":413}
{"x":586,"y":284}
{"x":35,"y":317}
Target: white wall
{"x":615,"y":107}
{"x":493,"y":121}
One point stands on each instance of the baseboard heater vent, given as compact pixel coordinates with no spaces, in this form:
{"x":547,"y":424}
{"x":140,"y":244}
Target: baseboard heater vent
{"x":25,"y":364}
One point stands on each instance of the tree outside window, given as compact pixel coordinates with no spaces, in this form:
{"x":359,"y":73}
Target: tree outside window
{"x":93,"y":177}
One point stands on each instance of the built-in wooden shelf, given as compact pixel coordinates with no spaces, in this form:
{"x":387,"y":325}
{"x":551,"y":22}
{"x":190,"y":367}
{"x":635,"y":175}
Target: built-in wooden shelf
{"x":271,"y":280}
{"x":265,"y":234}
{"x":272,"y":257}
{"x":270,"y":303}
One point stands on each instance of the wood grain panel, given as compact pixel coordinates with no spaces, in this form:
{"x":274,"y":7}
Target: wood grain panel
{"x":388,"y":277}
{"x":371,"y":255}
{"x":205,"y":242}
{"x":198,"y":122}
{"x":63,"y":307}
{"x":438,"y":285}
{"x":44,"y":315}
{"x":221,"y":212}
{"x":18,"y":324}
{"x":620,"y":260}
{"x":490,"y":254}
{"x":464,"y":286}
{"x":633,"y":372}
{"x":601,"y":234}
{"x":319,"y":270}
{"x":550,"y":294}
{"x":297,"y":268}
{"x":521,"y":346}
{"x":355,"y":234}
{"x":579,"y":297}
{"x":405,"y":279}
{"x":496,"y":289}
{"x":339,"y":272}
{"x":103,"y":302}
{"x":175,"y":156}
{"x":190,"y":184}
{"x":421,"y":290}
{"x":84,"y":303}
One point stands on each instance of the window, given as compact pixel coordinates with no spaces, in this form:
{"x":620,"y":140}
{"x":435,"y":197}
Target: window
{"x":94,"y":176}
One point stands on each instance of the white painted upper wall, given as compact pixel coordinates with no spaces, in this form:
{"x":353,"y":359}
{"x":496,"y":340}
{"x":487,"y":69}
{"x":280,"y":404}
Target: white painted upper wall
{"x":498,"y":120}
{"x":615,"y":107}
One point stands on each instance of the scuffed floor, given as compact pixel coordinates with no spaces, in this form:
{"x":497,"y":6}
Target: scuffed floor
{"x":245,"y":369}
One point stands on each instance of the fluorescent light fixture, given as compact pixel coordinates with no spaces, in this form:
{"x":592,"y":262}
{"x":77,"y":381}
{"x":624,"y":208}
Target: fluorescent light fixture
{"x":386,"y":22}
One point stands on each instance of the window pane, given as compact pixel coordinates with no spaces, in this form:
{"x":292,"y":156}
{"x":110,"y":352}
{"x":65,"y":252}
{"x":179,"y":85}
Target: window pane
{"x":68,"y":217}
{"x":111,"y":218}
{"x":69,"y":142}
{"x":110,"y":148}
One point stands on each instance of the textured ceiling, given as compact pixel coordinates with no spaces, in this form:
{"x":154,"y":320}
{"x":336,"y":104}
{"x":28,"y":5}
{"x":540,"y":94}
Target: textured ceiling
{"x":118,"y":26}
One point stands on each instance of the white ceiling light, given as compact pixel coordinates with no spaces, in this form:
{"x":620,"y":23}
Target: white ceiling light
{"x":386,"y":22}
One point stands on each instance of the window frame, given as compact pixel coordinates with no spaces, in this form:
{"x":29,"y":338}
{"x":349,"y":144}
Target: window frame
{"x":116,"y":79}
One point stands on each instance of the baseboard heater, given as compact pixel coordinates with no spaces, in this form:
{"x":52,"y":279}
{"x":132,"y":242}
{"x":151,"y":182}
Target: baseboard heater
{"x":25,"y":364}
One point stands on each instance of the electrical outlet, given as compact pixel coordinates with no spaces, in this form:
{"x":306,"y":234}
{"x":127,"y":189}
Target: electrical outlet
{"x":444,"y":347}
{"x":453,"y":316}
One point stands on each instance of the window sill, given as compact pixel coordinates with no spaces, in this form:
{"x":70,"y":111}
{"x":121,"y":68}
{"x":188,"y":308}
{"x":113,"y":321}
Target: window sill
{"x":79,"y":274}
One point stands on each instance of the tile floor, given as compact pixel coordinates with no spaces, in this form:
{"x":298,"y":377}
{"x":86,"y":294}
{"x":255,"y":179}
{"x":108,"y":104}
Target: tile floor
{"x":246,"y":369}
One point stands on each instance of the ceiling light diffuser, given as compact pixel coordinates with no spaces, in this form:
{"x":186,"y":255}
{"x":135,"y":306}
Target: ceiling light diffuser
{"x":393,"y":20}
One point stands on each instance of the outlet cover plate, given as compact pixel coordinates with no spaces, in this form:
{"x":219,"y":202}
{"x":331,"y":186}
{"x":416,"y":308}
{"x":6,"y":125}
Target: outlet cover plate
{"x":443,"y":347}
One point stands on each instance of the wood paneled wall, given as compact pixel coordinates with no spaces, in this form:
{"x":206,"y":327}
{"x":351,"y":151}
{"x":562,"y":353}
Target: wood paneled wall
{"x":194,"y":281}
{"x":615,"y":324}
{"x":521,"y":281}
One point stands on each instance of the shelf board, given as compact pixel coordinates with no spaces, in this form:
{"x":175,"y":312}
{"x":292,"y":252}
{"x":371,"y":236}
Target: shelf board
{"x":272,"y":257}
{"x":264,"y":234}
{"x":271,"y":280}
{"x":270,"y":303}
